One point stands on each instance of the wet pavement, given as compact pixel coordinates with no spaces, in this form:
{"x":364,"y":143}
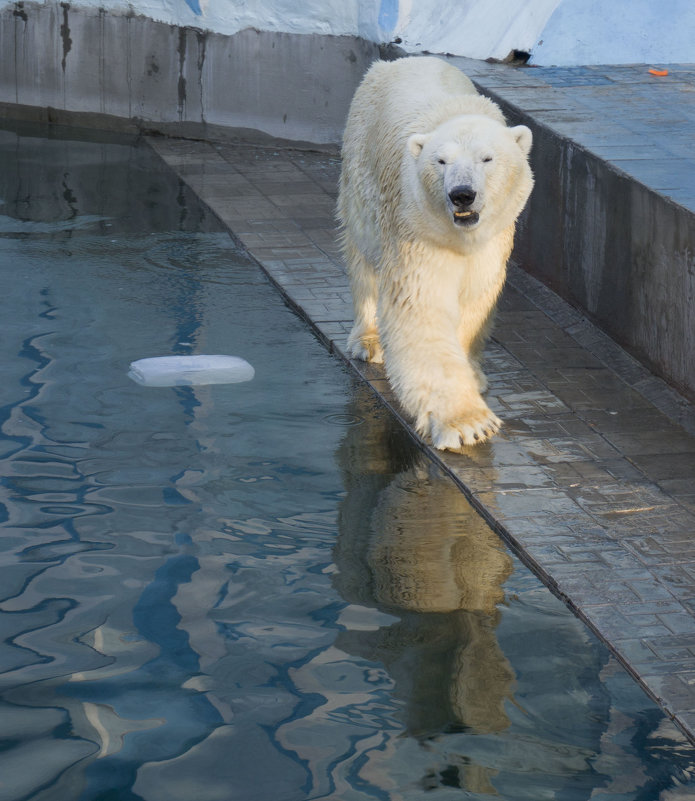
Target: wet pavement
{"x":592,"y":480}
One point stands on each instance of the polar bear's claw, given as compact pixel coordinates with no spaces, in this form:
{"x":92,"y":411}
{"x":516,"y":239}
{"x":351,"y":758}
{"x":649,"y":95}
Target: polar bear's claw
{"x":473,"y":430}
{"x":367,"y":348}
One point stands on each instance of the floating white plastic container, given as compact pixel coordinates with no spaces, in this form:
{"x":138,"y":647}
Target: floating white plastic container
{"x":178,"y":371}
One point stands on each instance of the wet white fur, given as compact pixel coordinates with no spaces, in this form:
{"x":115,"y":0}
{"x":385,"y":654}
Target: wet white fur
{"x":424,"y":288}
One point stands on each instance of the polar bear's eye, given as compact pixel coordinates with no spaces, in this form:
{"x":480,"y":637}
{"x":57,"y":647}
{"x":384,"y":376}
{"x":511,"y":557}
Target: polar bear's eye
{"x":441,"y":161}
{"x":486,"y":159}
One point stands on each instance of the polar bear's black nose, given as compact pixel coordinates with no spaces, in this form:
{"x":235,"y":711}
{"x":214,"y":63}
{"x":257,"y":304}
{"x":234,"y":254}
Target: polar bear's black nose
{"x":462,"y":196}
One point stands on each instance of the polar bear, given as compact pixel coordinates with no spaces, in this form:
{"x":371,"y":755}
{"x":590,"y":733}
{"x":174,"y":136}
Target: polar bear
{"x":431,"y":184}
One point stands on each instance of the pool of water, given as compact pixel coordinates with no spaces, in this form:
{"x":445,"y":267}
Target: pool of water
{"x":260,"y":590}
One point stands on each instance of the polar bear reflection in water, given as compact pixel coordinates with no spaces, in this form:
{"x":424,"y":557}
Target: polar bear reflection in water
{"x":417,"y":549}
{"x":416,"y":693}
{"x":411,"y":545}
{"x":245,"y":672}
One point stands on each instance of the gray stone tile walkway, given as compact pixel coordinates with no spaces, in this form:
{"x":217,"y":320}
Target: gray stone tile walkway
{"x":592,"y":480}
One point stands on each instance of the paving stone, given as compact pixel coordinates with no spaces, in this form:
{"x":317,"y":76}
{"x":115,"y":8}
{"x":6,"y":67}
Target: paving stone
{"x":678,"y":623}
{"x":677,"y":688}
{"x":583,"y":592}
{"x":645,"y":659}
{"x":613,"y":624}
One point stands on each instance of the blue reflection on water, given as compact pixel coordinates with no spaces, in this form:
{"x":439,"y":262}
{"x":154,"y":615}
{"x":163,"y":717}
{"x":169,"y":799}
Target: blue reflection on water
{"x":189,"y":715}
{"x":252,"y":591}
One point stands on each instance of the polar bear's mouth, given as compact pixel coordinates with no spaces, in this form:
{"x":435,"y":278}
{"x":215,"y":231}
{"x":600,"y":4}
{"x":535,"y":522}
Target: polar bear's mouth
{"x":466,"y":218}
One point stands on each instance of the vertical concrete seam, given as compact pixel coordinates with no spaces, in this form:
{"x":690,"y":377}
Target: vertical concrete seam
{"x":181,"y":50}
{"x":128,"y":66}
{"x":202,"y":38}
{"x":101,"y":56}
{"x":19,"y":14}
{"x":67,"y":46}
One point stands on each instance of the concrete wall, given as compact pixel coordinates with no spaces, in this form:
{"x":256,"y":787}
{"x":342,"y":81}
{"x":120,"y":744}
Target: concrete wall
{"x":464,"y":28}
{"x":615,"y":249}
{"x":559,"y":32}
{"x":127,"y":72}
{"x":617,"y":32}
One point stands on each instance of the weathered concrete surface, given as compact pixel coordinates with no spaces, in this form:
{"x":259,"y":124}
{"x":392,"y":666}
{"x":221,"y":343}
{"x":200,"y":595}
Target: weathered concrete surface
{"x":132,"y":73}
{"x":617,"y":249}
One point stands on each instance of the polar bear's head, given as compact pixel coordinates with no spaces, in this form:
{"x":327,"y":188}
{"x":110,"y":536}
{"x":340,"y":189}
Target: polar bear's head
{"x":471,"y":173}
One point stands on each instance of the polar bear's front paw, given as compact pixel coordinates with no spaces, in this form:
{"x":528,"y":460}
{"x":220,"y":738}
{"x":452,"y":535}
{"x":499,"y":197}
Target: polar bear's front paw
{"x":471,"y":429}
{"x":366,"y":347}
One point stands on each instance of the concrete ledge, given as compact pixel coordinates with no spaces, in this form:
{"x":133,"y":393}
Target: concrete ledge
{"x":616,"y":249}
{"x":611,"y":222}
{"x":153,"y":75}
{"x":134,"y":126}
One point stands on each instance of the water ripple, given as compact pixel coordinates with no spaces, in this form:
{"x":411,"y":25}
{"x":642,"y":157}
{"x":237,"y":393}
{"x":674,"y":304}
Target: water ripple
{"x":208,"y":591}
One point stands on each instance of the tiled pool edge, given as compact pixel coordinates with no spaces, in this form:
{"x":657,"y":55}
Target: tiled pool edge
{"x":574,"y":506}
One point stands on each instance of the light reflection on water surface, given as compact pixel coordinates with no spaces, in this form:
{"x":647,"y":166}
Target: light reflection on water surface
{"x":254,"y":591}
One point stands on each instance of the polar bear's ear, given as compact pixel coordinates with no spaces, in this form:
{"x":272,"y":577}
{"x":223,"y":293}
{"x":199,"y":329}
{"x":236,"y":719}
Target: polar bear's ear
{"x":523,"y":137}
{"x":416,"y":143}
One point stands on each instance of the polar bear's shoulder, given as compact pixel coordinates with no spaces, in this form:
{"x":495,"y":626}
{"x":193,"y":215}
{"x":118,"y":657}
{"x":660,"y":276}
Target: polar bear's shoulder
{"x":420,"y":93}
{"x":420,"y":72}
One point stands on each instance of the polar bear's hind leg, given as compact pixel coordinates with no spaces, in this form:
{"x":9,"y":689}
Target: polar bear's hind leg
{"x":363,"y":342}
